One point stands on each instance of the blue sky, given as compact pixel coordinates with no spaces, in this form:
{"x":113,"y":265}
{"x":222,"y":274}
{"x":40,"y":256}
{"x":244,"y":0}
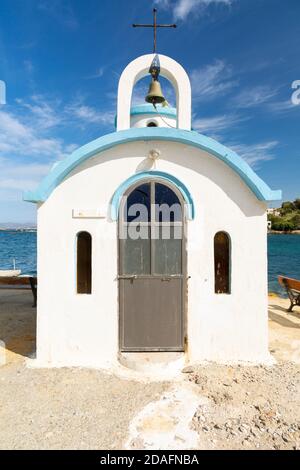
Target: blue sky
{"x":61,"y":61}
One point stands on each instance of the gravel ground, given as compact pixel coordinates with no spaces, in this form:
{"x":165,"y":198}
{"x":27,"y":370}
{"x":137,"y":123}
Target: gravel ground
{"x":239,"y":407}
{"x":249,"y":407}
{"x":67,"y":408}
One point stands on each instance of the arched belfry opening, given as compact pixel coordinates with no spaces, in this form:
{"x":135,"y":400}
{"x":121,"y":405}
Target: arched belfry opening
{"x":170,"y":70}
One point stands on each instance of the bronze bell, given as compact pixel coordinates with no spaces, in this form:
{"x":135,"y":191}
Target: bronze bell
{"x":155,"y":95}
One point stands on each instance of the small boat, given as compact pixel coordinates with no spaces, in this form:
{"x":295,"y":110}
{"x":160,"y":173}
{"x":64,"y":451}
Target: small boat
{"x":10,"y":272}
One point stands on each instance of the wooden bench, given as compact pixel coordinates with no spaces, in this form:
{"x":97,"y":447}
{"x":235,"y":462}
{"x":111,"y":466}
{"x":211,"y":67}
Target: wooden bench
{"x":292,"y":287}
{"x":21,"y":282}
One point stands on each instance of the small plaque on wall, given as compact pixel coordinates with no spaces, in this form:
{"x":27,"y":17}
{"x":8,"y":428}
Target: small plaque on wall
{"x":88,"y":214}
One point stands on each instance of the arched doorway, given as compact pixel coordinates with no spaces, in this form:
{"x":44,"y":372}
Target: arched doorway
{"x":152,"y":268}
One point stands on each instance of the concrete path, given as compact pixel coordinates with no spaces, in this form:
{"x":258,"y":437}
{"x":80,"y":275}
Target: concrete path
{"x":166,"y":423}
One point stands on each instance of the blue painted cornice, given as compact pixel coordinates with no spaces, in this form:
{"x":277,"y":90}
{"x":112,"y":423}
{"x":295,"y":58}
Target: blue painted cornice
{"x":149,"y":109}
{"x":230,"y":158}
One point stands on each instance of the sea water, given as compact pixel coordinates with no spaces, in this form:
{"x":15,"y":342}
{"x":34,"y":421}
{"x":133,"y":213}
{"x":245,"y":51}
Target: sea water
{"x":21,"y":247}
{"x":283,"y":255}
{"x":283,"y":258}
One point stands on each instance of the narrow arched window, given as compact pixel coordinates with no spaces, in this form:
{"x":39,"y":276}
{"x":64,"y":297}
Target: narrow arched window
{"x":222,"y":263}
{"x":84,"y":263}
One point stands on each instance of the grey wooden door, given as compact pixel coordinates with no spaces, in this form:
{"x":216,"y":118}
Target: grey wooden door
{"x":151,"y":269}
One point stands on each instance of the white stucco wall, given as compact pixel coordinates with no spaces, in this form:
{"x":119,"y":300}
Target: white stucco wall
{"x":83,"y":329}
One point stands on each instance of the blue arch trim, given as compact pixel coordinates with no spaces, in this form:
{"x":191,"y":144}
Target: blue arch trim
{"x":147,"y":109}
{"x":60,"y":171}
{"x":151,"y":175}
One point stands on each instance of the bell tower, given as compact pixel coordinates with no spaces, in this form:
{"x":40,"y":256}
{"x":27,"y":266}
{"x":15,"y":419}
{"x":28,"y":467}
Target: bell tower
{"x":169,"y":69}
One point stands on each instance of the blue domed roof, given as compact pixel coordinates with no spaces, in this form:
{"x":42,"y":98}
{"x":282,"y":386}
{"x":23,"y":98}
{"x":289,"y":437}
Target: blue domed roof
{"x":229,"y":157}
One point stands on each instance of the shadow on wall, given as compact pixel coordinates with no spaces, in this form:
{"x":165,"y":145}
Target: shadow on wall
{"x":146,"y":165}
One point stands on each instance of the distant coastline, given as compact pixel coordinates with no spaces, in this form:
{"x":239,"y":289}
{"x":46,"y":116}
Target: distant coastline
{"x":284,"y":232}
{"x":34,"y":229}
{"x":18,"y":229}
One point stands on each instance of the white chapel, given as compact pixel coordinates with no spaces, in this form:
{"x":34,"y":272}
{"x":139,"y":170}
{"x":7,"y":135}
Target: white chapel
{"x":151,"y":240}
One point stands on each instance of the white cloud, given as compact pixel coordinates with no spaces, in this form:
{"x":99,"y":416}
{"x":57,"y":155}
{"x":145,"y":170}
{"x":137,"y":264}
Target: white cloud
{"x":11,"y":127}
{"x":212,"y":80}
{"x":28,"y":145}
{"x":24,"y":139}
{"x":217,"y":127}
{"x":255,"y":154}
{"x":19,"y":177}
{"x":215,"y":124}
{"x":27,"y":151}
{"x":45,"y":112}
{"x":282,"y":106}
{"x":98,"y":74}
{"x":29,"y":139}
{"x":183,"y":8}
{"x":87,"y":114}
{"x":61,"y":10}
{"x":256,"y":96}
{"x":138,"y":94}
{"x":162,"y":3}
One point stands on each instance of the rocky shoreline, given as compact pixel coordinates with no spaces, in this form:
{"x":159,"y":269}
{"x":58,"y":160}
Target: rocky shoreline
{"x":277,"y":232}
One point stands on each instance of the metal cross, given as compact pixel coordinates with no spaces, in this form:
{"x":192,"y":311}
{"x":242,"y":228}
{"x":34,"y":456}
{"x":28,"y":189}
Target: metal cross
{"x":154,"y":26}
